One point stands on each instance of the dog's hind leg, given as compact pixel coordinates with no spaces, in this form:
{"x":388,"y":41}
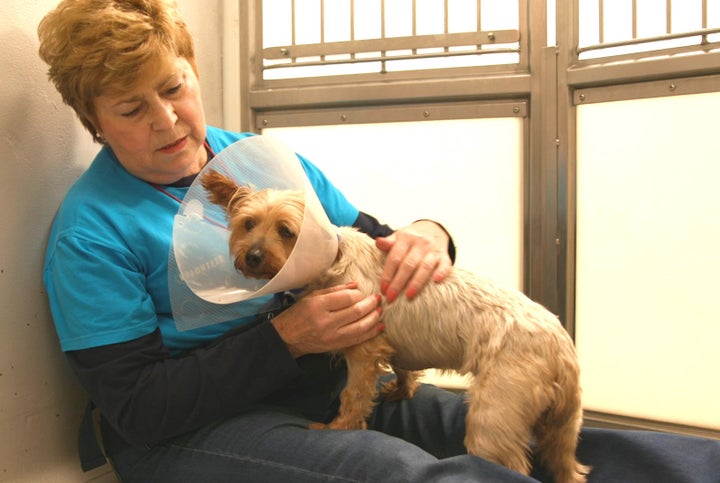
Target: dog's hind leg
{"x":556,"y":434}
{"x":500,"y":415}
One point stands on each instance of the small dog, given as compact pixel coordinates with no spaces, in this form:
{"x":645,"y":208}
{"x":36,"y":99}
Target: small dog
{"x":525,"y":371}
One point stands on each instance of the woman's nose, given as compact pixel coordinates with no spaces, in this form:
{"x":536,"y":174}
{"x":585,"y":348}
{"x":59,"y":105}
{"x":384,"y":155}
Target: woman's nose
{"x":163,"y":116}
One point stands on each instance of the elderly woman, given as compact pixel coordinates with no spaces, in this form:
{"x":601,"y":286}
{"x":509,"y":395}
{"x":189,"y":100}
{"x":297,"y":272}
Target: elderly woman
{"x":231,"y":401}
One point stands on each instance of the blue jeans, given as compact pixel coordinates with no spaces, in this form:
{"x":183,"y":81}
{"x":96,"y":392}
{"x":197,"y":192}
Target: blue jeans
{"x":419,"y":440}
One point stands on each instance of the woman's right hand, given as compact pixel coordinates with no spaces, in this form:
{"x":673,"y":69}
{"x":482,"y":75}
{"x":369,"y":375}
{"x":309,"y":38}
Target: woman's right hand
{"x":329,"y":320}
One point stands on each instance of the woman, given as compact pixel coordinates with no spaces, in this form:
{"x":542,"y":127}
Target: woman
{"x":230,"y":401}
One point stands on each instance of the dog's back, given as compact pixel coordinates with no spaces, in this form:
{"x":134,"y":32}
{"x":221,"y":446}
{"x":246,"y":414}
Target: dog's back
{"x":464,"y":310}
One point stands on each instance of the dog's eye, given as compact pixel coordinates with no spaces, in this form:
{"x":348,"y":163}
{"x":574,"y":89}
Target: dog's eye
{"x":249,"y":224}
{"x":286,"y":232}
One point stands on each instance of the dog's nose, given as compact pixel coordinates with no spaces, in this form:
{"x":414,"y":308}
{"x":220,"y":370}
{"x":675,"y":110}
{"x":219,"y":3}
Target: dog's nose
{"x":254,"y":257}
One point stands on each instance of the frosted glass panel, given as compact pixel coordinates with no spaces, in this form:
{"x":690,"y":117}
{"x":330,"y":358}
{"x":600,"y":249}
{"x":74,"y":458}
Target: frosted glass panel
{"x":648,"y":232}
{"x":465,"y":174}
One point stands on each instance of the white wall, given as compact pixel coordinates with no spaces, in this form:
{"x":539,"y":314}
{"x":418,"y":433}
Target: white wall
{"x":44,"y":149}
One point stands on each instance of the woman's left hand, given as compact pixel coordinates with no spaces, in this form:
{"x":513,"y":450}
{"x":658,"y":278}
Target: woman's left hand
{"x":416,"y":254}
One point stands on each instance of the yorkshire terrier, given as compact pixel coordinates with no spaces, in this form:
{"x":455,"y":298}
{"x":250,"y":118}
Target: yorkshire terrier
{"x":525,"y":385}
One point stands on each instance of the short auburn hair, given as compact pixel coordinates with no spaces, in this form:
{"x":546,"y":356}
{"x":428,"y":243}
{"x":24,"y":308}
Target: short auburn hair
{"x":100,"y":47}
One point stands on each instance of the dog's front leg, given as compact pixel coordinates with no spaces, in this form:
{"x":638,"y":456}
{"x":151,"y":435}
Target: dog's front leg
{"x":366,"y":362}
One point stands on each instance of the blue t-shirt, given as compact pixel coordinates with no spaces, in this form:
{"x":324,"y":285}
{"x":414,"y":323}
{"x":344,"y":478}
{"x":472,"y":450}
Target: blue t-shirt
{"x":106,"y":268}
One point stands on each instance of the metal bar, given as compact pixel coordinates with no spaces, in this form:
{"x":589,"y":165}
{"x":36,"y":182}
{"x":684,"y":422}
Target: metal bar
{"x":634,"y":19}
{"x":446,"y":21}
{"x":322,"y":25}
{"x":479,"y":15}
{"x":389,"y":58}
{"x":658,"y":38}
{"x":568,"y":26}
{"x":352,"y":23}
{"x":414,"y":22}
{"x":322,"y":21}
{"x":292,"y":22}
{"x":479,"y":18}
{"x":478,"y":86}
{"x":397,"y":43}
{"x":524,"y":22}
{"x":382,"y":19}
{"x":647,"y":89}
{"x":704,"y":20}
{"x":413,"y":15}
{"x":383,"y":69}
{"x":565,"y":243}
{"x":663,"y":67}
{"x":668,"y":16}
{"x":601,"y":21}
{"x":394,"y":113}
{"x":447,"y":16}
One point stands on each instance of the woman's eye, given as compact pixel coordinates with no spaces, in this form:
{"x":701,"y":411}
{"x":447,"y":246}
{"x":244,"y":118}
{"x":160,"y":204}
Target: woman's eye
{"x":174,"y":90}
{"x":132,"y":113}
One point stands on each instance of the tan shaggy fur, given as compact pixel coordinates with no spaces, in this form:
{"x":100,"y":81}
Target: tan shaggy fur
{"x":525,"y":380}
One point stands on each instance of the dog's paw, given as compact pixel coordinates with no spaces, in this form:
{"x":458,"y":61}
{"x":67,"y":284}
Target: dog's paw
{"x":318,"y":426}
{"x":392,"y":391}
{"x":347,"y":425}
{"x":339,"y":423}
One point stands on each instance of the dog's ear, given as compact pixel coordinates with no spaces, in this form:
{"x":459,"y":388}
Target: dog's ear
{"x":222,"y":190}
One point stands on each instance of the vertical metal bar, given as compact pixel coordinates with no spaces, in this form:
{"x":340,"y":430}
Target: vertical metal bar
{"x":292,"y":22}
{"x":479,"y":15}
{"x":479,"y":19}
{"x":526,"y":11}
{"x":352,"y":25}
{"x":250,"y":33}
{"x":446,"y":21}
{"x":352,"y":19}
{"x":382,"y":19}
{"x":568,"y":25}
{"x":546,"y":242}
{"x":292,"y":28}
{"x":414,"y":17}
{"x":704,"y":40}
{"x":383,"y":64}
{"x":634,"y":19}
{"x":414,"y":22}
{"x":322,"y":21}
{"x":668,"y":16}
{"x":571,"y":26}
{"x":601,"y":21}
{"x":322,"y":25}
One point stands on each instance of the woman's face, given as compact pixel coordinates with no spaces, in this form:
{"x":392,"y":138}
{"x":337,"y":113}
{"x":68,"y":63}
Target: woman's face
{"x":157,"y":128}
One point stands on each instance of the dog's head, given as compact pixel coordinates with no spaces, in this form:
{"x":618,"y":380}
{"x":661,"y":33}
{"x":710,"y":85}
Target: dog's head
{"x":264,"y":225}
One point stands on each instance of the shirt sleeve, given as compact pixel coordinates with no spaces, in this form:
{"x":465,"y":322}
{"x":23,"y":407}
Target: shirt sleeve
{"x":371,"y":226}
{"x":97,"y":292}
{"x":148,"y":396}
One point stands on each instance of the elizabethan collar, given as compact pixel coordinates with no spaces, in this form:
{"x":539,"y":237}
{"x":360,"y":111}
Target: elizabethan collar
{"x":205,"y":286}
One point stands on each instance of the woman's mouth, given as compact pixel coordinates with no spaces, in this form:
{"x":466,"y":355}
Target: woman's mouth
{"x":174,"y":147}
